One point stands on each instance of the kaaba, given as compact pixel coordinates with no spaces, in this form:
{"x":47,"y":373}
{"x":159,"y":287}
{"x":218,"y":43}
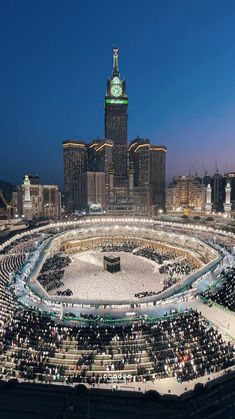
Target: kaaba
{"x":112,"y":263}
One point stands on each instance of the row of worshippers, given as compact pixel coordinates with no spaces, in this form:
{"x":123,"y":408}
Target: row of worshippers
{"x":184,"y":346}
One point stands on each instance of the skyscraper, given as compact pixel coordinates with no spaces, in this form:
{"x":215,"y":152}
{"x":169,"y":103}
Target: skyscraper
{"x":75,"y":163}
{"x":149,"y":163}
{"x":218,"y":183}
{"x":116,"y":115}
{"x":157,"y":177}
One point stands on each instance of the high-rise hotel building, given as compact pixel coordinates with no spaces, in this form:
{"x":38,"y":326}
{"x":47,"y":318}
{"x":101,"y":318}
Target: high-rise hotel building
{"x":149,"y":164}
{"x":75,"y":163}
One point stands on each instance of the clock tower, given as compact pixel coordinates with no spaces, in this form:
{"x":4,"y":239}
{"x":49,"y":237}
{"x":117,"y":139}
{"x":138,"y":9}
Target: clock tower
{"x":116,"y":115}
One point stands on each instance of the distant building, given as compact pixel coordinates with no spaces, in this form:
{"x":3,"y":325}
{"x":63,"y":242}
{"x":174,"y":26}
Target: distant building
{"x":218,"y":183}
{"x":186,"y":191}
{"x":36,"y":201}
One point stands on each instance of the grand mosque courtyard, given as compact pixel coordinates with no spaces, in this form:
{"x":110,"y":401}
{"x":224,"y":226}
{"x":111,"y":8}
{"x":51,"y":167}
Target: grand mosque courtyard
{"x":86,"y":278}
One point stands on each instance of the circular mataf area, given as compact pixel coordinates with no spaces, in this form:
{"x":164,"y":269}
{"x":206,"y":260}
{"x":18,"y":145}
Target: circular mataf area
{"x":71,"y":269}
{"x":87,"y":279}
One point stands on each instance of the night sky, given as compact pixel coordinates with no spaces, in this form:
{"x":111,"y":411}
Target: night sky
{"x":178,"y":58}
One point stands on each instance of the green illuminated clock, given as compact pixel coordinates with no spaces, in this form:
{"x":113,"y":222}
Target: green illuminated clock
{"x":116,"y":90}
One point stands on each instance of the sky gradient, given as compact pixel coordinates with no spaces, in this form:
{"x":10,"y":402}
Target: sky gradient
{"x":178,"y":58}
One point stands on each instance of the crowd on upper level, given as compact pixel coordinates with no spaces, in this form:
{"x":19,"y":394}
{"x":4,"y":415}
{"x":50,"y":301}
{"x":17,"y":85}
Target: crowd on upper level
{"x":26,"y":244}
{"x":225,"y":294}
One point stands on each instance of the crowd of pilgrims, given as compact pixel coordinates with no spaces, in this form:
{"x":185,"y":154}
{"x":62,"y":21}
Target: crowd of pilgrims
{"x":65,"y":293}
{"x":25,"y":244}
{"x":9,"y":264}
{"x":186,"y":346}
{"x":225,"y":294}
{"x":157,"y":256}
{"x":122,"y":247}
{"x":181,"y":268}
{"x":144,"y":294}
{"x":52,"y":272}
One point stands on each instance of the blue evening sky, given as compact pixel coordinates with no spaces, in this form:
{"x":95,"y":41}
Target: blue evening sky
{"x":178,"y":58}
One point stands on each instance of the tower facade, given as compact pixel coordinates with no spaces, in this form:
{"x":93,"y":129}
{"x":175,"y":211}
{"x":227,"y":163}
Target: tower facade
{"x":100,"y":156}
{"x":218,"y":183}
{"x":149,"y":164}
{"x":116,"y":116}
{"x":139,"y":153}
{"x":75,"y":163}
{"x":157,"y":177}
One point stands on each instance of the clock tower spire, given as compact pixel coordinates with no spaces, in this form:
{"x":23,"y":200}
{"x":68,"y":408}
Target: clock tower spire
{"x":115,"y":62}
{"x":116,"y":115}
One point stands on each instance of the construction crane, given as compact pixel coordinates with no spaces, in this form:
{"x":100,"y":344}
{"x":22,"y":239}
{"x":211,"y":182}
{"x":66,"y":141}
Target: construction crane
{"x":7,"y":206}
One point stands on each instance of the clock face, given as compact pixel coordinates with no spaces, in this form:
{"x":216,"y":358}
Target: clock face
{"x":116,"y":90}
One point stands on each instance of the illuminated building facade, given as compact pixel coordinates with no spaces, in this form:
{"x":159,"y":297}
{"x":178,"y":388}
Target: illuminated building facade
{"x":186,"y":191}
{"x":36,"y":201}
